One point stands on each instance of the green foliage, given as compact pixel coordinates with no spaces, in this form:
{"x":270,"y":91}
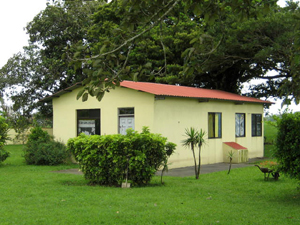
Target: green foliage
{"x":41,"y":149}
{"x":38,"y":135}
{"x":288,"y":144}
{"x":3,"y":138}
{"x":43,"y":66}
{"x":3,"y":131}
{"x":195,"y":138}
{"x":3,"y":154}
{"x":104,"y":159}
{"x":193,"y":43}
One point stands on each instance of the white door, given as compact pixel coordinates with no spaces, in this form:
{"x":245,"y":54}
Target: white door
{"x":125,"y":123}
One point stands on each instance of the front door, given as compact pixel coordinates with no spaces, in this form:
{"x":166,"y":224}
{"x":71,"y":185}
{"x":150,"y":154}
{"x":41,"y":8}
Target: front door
{"x":125,"y":123}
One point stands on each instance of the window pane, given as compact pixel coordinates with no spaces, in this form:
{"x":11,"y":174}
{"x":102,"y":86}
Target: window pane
{"x":214,"y":125}
{"x":88,"y":121}
{"x":88,"y":113}
{"x":210,"y":125}
{"x":256,"y":125}
{"x":126,"y":111}
{"x":240,"y":125}
{"x":94,"y":113}
{"x":82,"y":113}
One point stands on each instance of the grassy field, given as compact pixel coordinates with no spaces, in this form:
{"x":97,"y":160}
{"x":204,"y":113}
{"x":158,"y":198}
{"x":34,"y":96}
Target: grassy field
{"x":37,"y":195}
{"x":270,"y":139}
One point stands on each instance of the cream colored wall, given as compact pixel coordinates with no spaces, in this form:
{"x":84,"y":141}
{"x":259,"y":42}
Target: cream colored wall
{"x":64,"y":111}
{"x":12,"y":135}
{"x":174,"y":115}
{"x":169,"y":117}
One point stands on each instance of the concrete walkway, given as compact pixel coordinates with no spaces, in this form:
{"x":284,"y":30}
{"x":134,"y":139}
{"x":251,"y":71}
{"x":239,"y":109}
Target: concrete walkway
{"x":210,"y":168}
{"x":188,"y":171}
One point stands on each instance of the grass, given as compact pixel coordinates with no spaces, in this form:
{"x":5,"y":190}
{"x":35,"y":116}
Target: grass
{"x":270,"y":138}
{"x":36,"y":195}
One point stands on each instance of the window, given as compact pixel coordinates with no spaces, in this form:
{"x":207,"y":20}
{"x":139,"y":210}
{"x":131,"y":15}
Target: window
{"x":256,"y":125}
{"x":126,"y":119}
{"x":214,"y":125}
{"x":240,"y":124}
{"x":88,"y":121}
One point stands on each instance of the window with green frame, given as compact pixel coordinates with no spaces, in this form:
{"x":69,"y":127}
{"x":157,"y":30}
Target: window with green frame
{"x":256,"y":125}
{"x":214,"y":125}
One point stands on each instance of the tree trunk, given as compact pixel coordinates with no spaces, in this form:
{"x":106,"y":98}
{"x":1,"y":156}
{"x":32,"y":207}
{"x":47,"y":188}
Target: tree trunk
{"x":196,"y":172}
{"x":199,"y":164}
{"x":229,"y":165}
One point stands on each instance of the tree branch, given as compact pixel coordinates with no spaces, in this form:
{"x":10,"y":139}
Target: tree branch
{"x":136,"y":36}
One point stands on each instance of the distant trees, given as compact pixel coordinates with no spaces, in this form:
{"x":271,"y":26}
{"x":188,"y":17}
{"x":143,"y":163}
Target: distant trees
{"x":42,"y":68}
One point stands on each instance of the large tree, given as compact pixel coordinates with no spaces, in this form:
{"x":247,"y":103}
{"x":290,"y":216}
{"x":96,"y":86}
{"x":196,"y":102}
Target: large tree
{"x":203,"y":44}
{"x":213,"y":44}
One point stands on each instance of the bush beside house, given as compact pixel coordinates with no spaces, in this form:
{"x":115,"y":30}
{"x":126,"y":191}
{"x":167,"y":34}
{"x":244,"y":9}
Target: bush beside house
{"x":41,"y":149}
{"x":109,"y":159}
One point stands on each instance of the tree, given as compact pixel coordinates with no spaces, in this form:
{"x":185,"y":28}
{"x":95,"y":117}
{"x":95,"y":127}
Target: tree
{"x":195,"y":138}
{"x":108,"y":61}
{"x":3,"y":138}
{"x":15,"y":120}
{"x":249,"y":50}
{"x":137,"y":40}
{"x":42,"y":68}
{"x":287,"y":150}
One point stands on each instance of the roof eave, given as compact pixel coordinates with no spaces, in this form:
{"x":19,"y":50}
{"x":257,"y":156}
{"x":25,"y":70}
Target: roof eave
{"x":206,"y":99}
{"x":58,"y":94}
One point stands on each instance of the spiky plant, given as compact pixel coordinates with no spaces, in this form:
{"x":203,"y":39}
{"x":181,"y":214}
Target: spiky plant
{"x":194,"y":138}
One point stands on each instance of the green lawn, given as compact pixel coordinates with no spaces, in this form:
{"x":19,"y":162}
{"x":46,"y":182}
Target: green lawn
{"x":35,"y":195}
{"x":270,"y":133}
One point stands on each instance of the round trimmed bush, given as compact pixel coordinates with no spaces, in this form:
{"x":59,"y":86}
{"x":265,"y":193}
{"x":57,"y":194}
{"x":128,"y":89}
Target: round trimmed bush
{"x":41,"y":149}
{"x":109,"y":159}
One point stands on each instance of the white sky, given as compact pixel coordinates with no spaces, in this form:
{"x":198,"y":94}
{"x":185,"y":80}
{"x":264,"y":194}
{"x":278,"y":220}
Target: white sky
{"x":14,"y":16}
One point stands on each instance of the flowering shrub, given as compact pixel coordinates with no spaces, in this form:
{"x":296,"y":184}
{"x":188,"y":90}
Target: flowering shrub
{"x":271,"y":164}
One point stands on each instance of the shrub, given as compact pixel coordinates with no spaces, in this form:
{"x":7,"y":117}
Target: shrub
{"x":3,"y":154}
{"x":3,"y":138}
{"x":41,"y":149}
{"x":288,"y":144}
{"x":106,"y":159}
{"x":3,"y":131}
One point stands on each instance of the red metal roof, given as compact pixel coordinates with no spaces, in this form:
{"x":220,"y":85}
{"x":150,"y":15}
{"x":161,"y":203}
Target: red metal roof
{"x":188,"y":92}
{"x":235,"y":145}
{"x":172,"y":90}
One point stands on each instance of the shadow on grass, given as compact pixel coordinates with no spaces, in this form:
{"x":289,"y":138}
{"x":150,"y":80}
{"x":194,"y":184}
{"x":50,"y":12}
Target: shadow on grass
{"x":290,"y":197}
{"x":74,"y":182}
{"x":84,"y":182}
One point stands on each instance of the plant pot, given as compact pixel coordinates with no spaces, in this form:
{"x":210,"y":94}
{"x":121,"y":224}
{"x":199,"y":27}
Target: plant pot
{"x":125,"y":185}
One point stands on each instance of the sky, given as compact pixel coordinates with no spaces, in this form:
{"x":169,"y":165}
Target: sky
{"x":14,"y":16}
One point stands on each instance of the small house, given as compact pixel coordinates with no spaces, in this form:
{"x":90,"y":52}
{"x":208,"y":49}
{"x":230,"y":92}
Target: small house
{"x":168,"y":110}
